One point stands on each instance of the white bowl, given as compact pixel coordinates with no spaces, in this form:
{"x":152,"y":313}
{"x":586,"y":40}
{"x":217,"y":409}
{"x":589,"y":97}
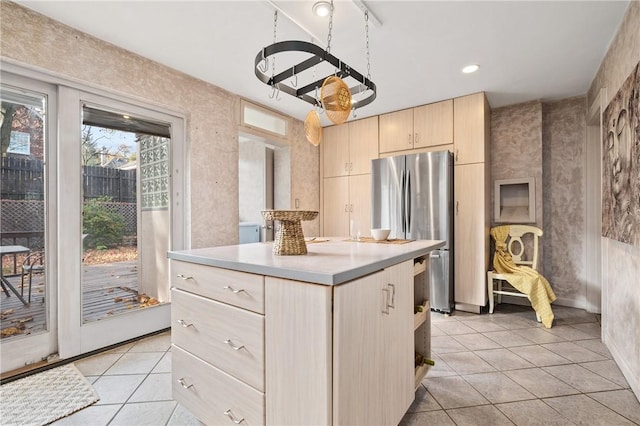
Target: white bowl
{"x":380,"y":234}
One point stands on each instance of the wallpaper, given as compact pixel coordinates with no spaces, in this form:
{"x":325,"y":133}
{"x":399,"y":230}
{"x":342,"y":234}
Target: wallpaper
{"x":563,"y":138}
{"x":212,"y":113}
{"x":516,"y":148}
{"x":621,"y":262}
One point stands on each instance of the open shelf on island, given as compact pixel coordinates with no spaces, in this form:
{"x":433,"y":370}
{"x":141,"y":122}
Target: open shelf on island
{"x":420,"y":317}
{"x":419,"y":266}
{"x":421,"y":371}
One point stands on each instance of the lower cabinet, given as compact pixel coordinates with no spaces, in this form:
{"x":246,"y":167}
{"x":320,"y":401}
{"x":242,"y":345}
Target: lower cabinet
{"x":373,"y":348}
{"x":341,"y":355}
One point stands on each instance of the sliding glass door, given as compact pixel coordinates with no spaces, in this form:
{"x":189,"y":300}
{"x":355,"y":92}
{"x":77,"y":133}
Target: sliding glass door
{"x":28,"y":308}
{"x":124,"y":165}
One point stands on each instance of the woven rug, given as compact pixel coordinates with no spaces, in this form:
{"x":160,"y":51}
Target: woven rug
{"x":45,"y":397}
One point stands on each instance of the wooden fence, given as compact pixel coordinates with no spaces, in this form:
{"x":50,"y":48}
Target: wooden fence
{"x":22,"y":179}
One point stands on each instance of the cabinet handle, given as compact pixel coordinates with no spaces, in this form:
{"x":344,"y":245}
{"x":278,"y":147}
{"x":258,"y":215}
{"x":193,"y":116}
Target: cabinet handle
{"x":457,"y":156}
{"x":410,"y":141}
{"x":346,"y":208}
{"x":346,"y":167}
{"x":183,"y":384}
{"x":351,"y":208}
{"x":184,"y":277}
{"x":228,"y":287}
{"x":184,"y":324}
{"x":229,"y":414}
{"x":350,"y":167}
{"x":386,"y":301}
{"x":393,"y":296}
{"x":415,"y":137}
{"x":457,"y":207}
{"x":234,"y":347}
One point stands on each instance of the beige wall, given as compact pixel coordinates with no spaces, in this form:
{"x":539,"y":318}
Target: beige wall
{"x":212,"y":114}
{"x":621,"y":262}
{"x":563,"y":139}
{"x":516,"y":149}
{"x":546,"y":141}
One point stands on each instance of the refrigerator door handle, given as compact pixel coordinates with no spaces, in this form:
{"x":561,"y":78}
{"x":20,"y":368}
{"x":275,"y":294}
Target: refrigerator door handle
{"x":407,"y":200}
{"x":402,"y":200}
{"x":434,"y":255}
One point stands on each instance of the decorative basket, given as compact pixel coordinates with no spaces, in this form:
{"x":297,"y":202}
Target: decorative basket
{"x":336,"y":99}
{"x":313,"y":128}
{"x":289,"y":239}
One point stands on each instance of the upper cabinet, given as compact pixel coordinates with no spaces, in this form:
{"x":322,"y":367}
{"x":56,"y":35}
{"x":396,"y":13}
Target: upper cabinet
{"x":349,"y":148}
{"x":471,"y":126}
{"x":424,"y":126}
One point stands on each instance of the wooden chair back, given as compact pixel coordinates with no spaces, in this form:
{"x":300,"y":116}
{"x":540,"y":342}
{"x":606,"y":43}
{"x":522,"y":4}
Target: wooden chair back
{"x":516,"y":246}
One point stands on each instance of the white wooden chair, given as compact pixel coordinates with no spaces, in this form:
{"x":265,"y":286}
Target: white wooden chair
{"x":516,"y":249}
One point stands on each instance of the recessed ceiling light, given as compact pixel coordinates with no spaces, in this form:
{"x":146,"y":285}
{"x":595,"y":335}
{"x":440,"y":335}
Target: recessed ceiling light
{"x":322,"y":8}
{"x":126,"y":117}
{"x":470,"y":68}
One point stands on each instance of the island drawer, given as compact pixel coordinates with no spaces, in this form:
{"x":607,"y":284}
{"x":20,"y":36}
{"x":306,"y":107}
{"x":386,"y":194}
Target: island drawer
{"x":227,"y":337}
{"x":213,"y":396}
{"x":235,"y":288}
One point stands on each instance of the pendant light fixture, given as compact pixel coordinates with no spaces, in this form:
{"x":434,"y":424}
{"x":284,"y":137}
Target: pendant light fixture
{"x":339,"y":98}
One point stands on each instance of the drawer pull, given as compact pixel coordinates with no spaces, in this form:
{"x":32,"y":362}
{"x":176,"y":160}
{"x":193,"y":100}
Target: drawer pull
{"x":235,"y":348}
{"x":184,"y":324}
{"x":229,"y":414}
{"x":183,"y":384}
{"x":184,"y":277}
{"x":227,"y":287}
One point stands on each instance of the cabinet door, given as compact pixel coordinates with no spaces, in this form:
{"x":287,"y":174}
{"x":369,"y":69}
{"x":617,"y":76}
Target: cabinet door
{"x":363,"y":145}
{"x":433,"y":124}
{"x":398,"y":359}
{"x":469,"y":115}
{"x":471,"y":234}
{"x":336,"y":206}
{"x":358,"y":342}
{"x":396,"y":131}
{"x":360,"y":202}
{"x":335,"y":150}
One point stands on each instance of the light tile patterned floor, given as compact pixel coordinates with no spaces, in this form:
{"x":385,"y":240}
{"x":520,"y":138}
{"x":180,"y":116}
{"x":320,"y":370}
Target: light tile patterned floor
{"x":506,"y":368}
{"x":495,"y":369}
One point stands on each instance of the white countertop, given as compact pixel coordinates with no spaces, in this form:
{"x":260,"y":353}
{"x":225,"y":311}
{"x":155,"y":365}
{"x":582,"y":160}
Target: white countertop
{"x":329,"y":263}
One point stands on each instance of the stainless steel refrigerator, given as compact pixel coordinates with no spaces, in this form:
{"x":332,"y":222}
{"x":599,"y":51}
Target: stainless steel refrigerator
{"x":413,"y":196}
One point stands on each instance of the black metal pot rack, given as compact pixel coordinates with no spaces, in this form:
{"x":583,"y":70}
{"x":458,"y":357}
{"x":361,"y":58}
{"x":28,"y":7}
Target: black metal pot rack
{"x":319,"y":55}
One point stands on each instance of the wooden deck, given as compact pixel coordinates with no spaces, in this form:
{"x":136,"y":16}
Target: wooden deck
{"x":108,"y":290}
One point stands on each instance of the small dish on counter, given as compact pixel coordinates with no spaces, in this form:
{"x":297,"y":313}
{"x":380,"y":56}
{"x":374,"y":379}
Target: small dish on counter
{"x":380,"y":234}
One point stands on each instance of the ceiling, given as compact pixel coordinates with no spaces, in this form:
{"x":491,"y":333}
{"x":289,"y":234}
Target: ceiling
{"x":526,"y":50}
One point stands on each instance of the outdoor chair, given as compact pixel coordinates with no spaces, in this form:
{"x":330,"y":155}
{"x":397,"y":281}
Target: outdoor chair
{"x":34,"y":263}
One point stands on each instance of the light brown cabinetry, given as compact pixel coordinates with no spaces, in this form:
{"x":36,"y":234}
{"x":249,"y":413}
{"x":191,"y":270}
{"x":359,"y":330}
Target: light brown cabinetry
{"x":472,"y":116}
{"x":420,"y":127}
{"x":320,"y":354}
{"x":347,"y":153}
{"x":373,"y":348}
{"x":216,"y":344}
{"x":472,"y":199}
{"x":348,"y":148}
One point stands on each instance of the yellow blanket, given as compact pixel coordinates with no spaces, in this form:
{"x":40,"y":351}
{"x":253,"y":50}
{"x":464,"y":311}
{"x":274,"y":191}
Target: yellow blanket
{"x":524,"y":279}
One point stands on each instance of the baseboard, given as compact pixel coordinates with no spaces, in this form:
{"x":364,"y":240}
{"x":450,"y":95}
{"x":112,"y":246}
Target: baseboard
{"x":474,"y":309}
{"x":571,"y":303}
{"x":634,"y":381}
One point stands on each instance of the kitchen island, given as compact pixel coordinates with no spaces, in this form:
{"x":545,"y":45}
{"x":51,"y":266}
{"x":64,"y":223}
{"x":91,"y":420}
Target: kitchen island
{"x":325,"y":338}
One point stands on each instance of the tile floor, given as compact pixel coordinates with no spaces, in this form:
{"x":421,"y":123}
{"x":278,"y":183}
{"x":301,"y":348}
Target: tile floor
{"x":495,"y":369}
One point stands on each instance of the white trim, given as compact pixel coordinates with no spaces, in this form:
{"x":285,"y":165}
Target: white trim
{"x":627,"y":372}
{"x":593,"y":205}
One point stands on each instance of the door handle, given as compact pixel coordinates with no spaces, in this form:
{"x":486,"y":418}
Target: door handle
{"x":457,"y":207}
{"x":410,"y":142}
{"x":386,"y":301}
{"x":457,"y":156}
{"x":408,"y":201}
{"x":393,"y":296}
{"x":402,"y":201}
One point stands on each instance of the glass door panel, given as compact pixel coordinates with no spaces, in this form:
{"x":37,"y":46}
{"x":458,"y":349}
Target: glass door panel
{"x":27,"y":298}
{"x":125,"y":216}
